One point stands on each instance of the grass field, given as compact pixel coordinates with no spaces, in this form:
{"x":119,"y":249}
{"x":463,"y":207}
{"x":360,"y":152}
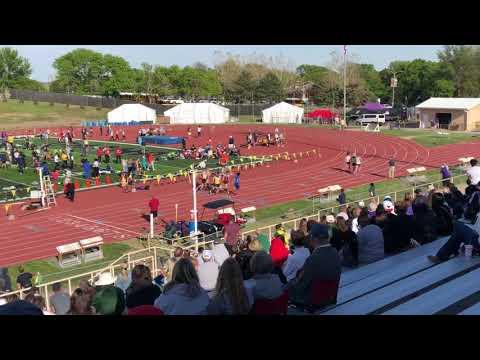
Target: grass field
{"x":14,"y":115}
{"x":302,"y":207}
{"x":23,"y":183}
{"x":50,"y":271}
{"x":431,"y":138}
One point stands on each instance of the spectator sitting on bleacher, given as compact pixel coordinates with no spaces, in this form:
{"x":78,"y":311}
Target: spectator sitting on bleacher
{"x":250,"y":247}
{"x":341,"y":233}
{"x":207,"y":271}
{"x":177,"y":255}
{"x":124,"y":278}
{"x":370,"y":241}
{"x":220,"y":253}
{"x":474,"y":172}
{"x":296,"y":260}
{"x":424,"y":223}
{"x":455,"y":199}
{"x":108,"y":299}
{"x":141,"y":291}
{"x":443,"y":213}
{"x":60,"y":301}
{"x":380,"y":218}
{"x":263,"y":284}
{"x":302,"y":226}
{"x":279,"y":253}
{"x":322,"y":264}
{"x":461,"y":234}
{"x":472,"y":207}
{"x":20,"y":307}
{"x":183,"y":295}
{"x":81,"y":303}
{"x":398,"y":231}
{"x":231,"y":296}
{"x":38,"y":301}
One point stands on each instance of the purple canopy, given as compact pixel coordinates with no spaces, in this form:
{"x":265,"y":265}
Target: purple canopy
{"x":373,"y":106}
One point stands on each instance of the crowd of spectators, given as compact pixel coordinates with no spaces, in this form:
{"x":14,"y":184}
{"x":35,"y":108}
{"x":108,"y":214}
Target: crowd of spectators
{"x":299,"y":269}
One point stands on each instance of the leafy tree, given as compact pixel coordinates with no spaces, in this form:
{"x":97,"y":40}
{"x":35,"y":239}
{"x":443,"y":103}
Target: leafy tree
{"x":270,"y":88}
{"x":245,"y":86}
{"x":373,"y":82}
{"x":14,"y":69}
{"x":84,"y":71}
{"x":464,"y":64}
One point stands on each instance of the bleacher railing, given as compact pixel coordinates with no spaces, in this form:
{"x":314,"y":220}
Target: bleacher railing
{"x":152,"y":255}
{"x":316,"y":215}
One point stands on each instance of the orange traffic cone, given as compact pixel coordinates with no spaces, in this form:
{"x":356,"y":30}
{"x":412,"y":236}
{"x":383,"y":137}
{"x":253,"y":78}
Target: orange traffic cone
{"x":88,"y":183}
{"x":97,"y":181}
{"x":76,"y":185}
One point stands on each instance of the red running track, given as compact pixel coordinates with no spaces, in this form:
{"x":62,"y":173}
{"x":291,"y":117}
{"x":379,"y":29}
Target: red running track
{"x":116,"y":215}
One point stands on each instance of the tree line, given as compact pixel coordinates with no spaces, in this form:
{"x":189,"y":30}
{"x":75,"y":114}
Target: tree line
{"x":255,"y":78}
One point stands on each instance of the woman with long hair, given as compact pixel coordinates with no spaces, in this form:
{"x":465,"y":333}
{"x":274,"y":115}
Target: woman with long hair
{"x":230,"y":294}
{"x":81,"y":303}
{"x":183,"y":295}
{"x":303,"y":226}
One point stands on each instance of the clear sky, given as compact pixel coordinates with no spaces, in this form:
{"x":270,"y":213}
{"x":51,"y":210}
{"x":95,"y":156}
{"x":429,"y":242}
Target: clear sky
{"x":42,"y":56}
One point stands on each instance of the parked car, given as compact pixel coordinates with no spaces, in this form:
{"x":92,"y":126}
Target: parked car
{"x":371,"y":118}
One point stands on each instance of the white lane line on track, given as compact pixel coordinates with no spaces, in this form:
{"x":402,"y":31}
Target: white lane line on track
{"x":103,"y":224}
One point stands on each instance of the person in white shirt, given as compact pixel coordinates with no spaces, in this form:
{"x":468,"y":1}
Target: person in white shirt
{"x":220,"y":254}
{"x":207,"y":271}
{"x":347,"y":161}
{"x":474,"y":172}
{"x":296,"y":260}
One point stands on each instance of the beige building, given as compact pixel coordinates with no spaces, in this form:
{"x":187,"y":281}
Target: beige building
{"x":450,"y":113}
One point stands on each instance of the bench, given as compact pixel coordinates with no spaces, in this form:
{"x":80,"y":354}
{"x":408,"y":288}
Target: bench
{"x":329,"y":191}
{"x":407,"y":286}
{"x":69,"y":255}
{"x":442,"y":296}
{"x":472,"y":310}
{"x":365,"y":271}
{"x":92,"y":248}
{"x":247,"y":210}
{"x":415,"y":170}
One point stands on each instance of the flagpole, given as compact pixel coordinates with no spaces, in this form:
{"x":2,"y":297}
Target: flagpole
{"x":344,"y":84}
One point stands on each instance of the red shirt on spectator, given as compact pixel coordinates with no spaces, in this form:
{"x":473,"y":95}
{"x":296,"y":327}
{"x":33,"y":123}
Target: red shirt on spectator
{"x":150,"y":158}
{"x":278,"y":252}
{"x":230,"y":232}
{"x":154,"y":204}
{"x":118,"y":151}
{"x":99,"y":152}
{"x":106,"y":151}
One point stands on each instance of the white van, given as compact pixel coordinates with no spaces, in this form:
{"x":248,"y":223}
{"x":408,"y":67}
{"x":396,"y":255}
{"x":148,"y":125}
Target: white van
{"x":371,"y":118}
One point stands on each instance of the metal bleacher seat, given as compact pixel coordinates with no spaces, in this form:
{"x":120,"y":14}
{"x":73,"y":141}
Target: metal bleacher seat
{"x":365,"y":271}
{"x":443,"y":296}
{"x":404,"y":288}
{"x":472,"y":310}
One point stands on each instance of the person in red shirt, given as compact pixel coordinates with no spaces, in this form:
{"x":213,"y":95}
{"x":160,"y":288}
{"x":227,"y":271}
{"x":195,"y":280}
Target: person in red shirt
{"x":106,"y":152}
{"x":118,"y":154}
{"x":151,"y":160}
{"x":154,"y":204}
{"x":230,"y":233}
{"x":278,"y":251}
{"x":99,"y":154}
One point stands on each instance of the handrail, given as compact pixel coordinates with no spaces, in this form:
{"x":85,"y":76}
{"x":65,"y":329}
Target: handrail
{"x":318,"y":213}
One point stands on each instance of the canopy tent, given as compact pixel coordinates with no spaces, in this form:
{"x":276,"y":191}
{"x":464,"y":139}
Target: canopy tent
{"x":129,"y":113}
{"x":283,"y":113}
{"x":373,"y":106}
{"x":198,"y":113}
{"x":321,"y":113}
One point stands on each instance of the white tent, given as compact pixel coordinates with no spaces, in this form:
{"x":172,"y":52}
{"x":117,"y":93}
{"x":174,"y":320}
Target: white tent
{"x":283,"y":113}
{"x":132,"y":113}
{"x":195,"y":113}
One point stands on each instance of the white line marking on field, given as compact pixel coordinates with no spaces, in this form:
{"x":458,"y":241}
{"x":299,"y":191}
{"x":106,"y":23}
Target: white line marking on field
{"x":103,"y":224}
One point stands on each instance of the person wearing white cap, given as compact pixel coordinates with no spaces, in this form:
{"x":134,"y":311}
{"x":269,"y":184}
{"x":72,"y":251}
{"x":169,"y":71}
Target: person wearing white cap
{"x":208,"y":271}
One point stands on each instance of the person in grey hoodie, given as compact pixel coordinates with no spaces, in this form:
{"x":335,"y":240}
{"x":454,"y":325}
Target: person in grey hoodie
{"x":371,"y":246}
{"x":183,"y":294}
{"x":263,"y":284}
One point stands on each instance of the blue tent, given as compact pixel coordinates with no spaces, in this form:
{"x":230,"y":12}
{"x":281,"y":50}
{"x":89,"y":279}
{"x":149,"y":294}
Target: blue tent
{"x":159,"y":140}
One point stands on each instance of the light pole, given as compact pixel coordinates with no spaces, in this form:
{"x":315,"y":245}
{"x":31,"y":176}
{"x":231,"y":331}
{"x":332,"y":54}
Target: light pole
{"x":344,"y":85}
{"x":393,"y":84}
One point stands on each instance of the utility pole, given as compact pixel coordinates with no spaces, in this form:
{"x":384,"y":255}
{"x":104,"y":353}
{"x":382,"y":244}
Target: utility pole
{"x":344,"y":85}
